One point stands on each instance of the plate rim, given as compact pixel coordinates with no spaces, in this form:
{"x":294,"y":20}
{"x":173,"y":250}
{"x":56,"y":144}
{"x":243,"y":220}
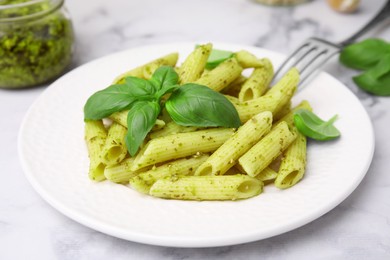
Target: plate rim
{"x":174,"y":241}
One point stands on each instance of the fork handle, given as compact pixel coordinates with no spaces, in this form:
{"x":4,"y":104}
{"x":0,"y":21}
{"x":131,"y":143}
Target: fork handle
{"x":383,"y":14}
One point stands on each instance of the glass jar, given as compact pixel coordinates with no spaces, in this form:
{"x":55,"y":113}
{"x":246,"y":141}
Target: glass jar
{"x":281,"y":2}
{"x":36,"y":42}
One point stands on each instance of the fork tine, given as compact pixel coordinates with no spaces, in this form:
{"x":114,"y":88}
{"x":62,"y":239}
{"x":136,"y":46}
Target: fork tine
{"x":312,"y":60}
{"x":283,"y":67}
{"x":306,"y":74}
{"x":308,"y":58}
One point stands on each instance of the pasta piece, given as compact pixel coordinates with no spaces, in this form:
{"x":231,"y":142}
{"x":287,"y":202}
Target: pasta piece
{"x":267,"y":175}
{"x":95,"y":137}
{"x":283,"y":111}
{"x":234,"y":88}
{"x":181,"y":145}
{"x":292,"y":167}
{"x":234,"y":101}
{"x":289,"y":117}
{"x":120,"y":117}
{"x":114,"y":150}
{"x":121,"y":173}
{"x":266,"y":150}
{"x":274,"y":99}
{"x":185,"y":166}
{"x":229,"y":187}
{"x":258,"y":83}
{"x":192,"y":68}
{"x":248,"y":60}
{"x":240,"y":142}
{"x":168,"y":60}
{"x":172,"y":128}
{"x":94,"y":128}
{"x":221,"y":76}
{"x":149,"y":69}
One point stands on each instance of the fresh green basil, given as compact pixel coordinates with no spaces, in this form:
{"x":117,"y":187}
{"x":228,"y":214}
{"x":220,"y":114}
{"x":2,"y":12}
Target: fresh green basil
{"x":216,"y":57}
{"x":190,"y":104}
{"x":107,"y":101}
{"x":197,"y":105}
{"x":141,"y":118}
{"x":377,"y":79}
{"x":140,"y":87}
{"x":164,"y":77}
{"x":365,"y":54}
{"x":314,"y":127}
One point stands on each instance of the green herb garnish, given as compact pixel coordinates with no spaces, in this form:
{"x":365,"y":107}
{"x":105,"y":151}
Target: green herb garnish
{"x":216,"y":57}
{"x":377,"y":79}
{"x":196,"y":105}
{"x":365,"y":54}
{"x":314,"y":127}
{"x":373,"y":56}
{"x":189,"y":105}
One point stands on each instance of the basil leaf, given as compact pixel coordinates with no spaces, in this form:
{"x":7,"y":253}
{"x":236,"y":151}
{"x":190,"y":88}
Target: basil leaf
{"x":314,"y":127}
{"x":197,"y":105}
{"x":377,"y":79}
{"x":164,"y":77}
{"x":107,"y":101}
{"x":166,"y":90}
{"x":365,"y":54}
{"x":216,"y":57}
{"x":141,"y":118}
{"x":141,"y":88}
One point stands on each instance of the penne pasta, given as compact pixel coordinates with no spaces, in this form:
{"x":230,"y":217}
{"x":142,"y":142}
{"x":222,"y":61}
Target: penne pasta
{"x":181,"y":145}
{"x":266,"y":150}
{"x":221,"y":76}
{"x":258,"y":83}
{"x":234,"y":88}
{"x":230,"y":187}
{"x":114,"y":149}
{"x":186,"y":166}
{"x":283,"y":111}
{"x":274,"y":99}
{"x":139,"y":72}
{"x":120,"y":173}
{"x":292,"y":167}
{"x":197,"y":162}
{"x":267,"y":175}
{"x":289,"y":117}
{"x":193,"y":67}
{"x":241,"y":141}
{"x":95,"y":137}
{"x":248,"y":60}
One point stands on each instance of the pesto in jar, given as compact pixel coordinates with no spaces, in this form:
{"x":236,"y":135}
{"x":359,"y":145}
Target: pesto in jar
{"x":36,"y":43}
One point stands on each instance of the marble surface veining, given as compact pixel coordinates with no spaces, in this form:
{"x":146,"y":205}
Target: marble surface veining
{"x":359,"y":228}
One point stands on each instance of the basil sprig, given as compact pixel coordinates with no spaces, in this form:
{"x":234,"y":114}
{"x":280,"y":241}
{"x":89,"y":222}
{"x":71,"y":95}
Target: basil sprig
{"x":189,"y":105}
{"x":216,"y":57}
{"x":196,"y":105}
{"x":372,"y":56}
{"x":377,"y":79}
{"x":314,"y":127}
{"x":365,"y":54}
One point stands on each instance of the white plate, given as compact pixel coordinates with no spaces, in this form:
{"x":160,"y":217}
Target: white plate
{"x":55,"y":161}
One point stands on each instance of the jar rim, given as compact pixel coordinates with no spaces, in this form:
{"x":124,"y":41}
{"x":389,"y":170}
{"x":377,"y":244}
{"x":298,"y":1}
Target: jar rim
{"x":54,"y":5}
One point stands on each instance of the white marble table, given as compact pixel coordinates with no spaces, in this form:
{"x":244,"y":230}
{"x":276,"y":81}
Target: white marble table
{"x":359,"y":228}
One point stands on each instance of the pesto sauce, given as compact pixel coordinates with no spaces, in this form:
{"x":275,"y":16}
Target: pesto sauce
{"x":35,"y":51}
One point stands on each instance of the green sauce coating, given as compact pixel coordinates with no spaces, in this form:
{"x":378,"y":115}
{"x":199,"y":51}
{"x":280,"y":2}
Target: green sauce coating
{"x":34,"y":51}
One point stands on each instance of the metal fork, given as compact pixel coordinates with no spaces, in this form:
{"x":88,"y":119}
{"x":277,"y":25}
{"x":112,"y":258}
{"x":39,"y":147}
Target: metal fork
{"x":314,"y":52}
